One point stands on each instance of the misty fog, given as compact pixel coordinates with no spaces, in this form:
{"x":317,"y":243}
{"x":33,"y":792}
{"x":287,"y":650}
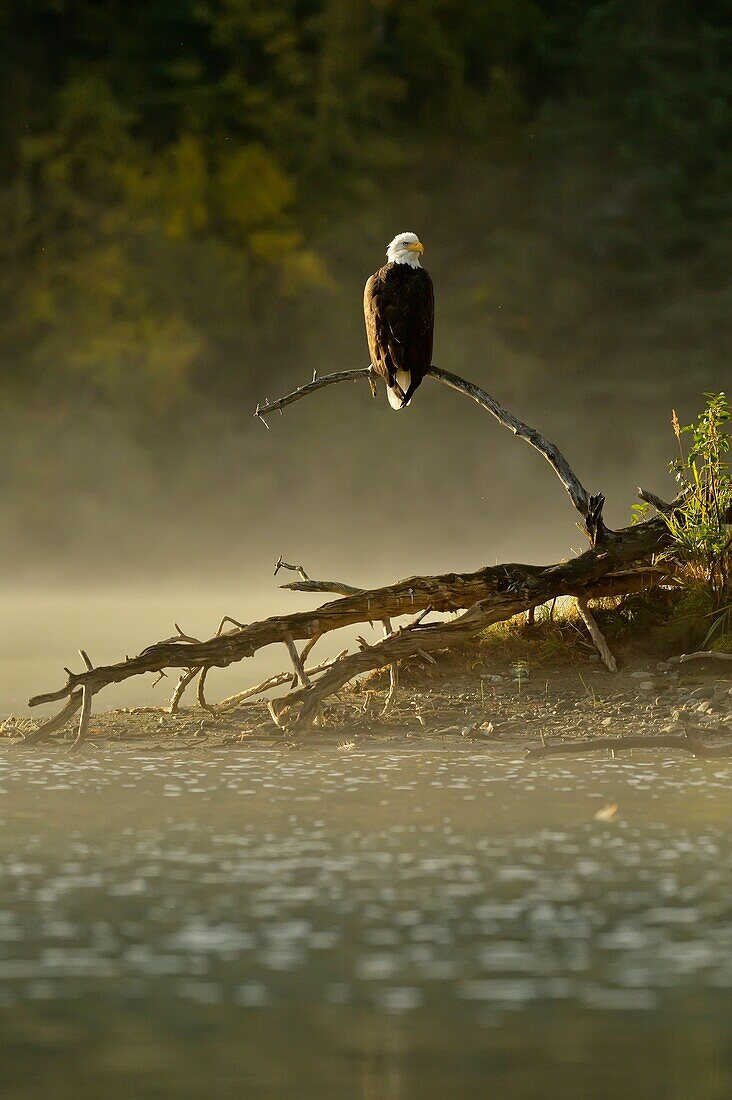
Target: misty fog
{"x":116,"y":525}
{"x":128,"y":539}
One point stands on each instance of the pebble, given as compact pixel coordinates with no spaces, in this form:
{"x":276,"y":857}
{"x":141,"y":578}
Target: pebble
{"x":647,"y":685}
{"x":705,"y":692}
{"x":663,"y":666}
{"x":638,"y":675}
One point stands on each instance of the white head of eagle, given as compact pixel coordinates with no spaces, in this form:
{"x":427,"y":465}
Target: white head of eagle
{"x":399,"y":310}
{"x":406,"y":248}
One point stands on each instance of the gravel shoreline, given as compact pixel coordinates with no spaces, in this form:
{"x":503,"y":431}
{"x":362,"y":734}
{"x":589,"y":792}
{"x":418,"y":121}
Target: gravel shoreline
{"x":513,"y":705}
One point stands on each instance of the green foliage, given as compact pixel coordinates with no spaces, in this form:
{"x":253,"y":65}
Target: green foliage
{"x":166,"y":176}
{"x":556,"y":637}
{"x":687,"y":627}
{"x":700,"y":526}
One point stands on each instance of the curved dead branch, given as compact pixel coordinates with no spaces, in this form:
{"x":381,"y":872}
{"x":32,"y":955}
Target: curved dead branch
{"x":579,"y":496}
{"x":589,"y":507}
{"x":268,"y":407}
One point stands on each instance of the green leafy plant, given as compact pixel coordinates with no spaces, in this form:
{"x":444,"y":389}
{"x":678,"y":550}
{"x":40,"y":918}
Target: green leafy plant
{"x":700,"y":526}
{"x":638,"y":514}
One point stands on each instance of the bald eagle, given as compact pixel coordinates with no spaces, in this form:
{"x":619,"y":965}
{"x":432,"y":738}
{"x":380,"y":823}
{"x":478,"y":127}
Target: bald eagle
{"x":399,"y":309}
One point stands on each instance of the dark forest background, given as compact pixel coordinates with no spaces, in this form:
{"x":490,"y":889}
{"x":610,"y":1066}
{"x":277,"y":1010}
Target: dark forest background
{"x":192,"y":193}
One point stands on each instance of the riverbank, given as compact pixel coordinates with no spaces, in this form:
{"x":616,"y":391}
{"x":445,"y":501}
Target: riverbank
{"x":511,"y":705}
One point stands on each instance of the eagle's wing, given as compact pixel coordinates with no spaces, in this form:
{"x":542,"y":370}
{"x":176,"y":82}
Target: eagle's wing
{"x":384,"y":350}
{"x":419,"y":318}
{"x":399,"y":324}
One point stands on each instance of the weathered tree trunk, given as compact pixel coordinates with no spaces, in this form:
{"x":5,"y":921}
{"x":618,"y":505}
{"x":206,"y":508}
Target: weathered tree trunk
{"x":617,"y":562}
{"x":490,"y":595}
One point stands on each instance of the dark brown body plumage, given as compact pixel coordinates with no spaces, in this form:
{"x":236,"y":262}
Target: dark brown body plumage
{"x":399,"y":309}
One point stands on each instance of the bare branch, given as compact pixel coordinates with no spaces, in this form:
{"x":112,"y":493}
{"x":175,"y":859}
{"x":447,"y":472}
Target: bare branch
{"x":516,"y":595}
{"x":281,"y":564}
{"x":299,"y":707}
{"x":86,"y":702}
{"x":418,"y":618}
{"x":307,"y":584}
{"x":57,"y":722}
{"x":309,"y":646}
{"x":656,"y":502}
{"x":597,"y":636}
{"x":393,"y":673}
{"x":228,"y":619}
{"x":663,"y":506}
{"x":393,"y":685}
{"x":200,"y":691}
{"x":302,"y":676}
{"x":337,"y":587}
{"x":577,"y":493}
{"x":681,"y":660}
{"x":316,"y":384}
{"x":280,"y":678}
{"x":183,"y":637}
{"x":185,"y":678}
{"x":589,"y":507}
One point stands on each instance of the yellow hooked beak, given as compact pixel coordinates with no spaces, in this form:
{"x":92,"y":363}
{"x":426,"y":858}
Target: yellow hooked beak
{"x":417,"y":246}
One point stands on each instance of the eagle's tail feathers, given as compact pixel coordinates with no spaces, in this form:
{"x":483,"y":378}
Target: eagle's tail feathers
{"x":397,"y":393}
{"x":396,"y":396}
{"x":408,"y":393}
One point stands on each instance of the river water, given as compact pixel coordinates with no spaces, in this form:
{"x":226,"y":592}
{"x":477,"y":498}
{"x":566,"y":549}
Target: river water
{"x":377,"y":923}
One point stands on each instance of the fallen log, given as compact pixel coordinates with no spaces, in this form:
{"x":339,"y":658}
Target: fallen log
{"x":597,"y":573}
{"x":617,"y":562}
{"x":298,"y":709}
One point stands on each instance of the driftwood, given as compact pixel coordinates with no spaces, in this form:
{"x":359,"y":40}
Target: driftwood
{"x":622,"y":744}
{"x":616,"y":563}
{"x":702,"y":653}
{"x":490,"y":595}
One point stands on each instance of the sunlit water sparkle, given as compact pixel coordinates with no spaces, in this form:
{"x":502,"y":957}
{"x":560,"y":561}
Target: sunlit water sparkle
{"x":375,"y":923}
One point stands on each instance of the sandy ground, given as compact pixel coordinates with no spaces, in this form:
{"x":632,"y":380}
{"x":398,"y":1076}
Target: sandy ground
{"x":510,"y":706}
